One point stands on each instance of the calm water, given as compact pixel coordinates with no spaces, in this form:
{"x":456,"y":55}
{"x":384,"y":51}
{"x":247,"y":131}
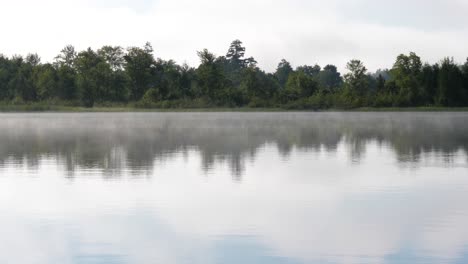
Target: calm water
{"x":234,"y":188}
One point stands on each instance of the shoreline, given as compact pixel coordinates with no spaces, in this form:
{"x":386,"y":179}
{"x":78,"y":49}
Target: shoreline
{"x":116,"y":109}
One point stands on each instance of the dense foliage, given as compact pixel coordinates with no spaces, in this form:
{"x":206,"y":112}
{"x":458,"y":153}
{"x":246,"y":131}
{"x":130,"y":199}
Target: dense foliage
{"x":113,"y":75}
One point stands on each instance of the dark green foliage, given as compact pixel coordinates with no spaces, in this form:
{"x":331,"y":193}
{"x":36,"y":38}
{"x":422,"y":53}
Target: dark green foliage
{"x":300,"y":85}
{"x":380,"y":85}
{"x":113,"y":76}
{"x":89,"y":72}
{"x":235,"y":56}
{"x":259,"y":86}
{"x":7,"y":72}
{"x":407,"y":75}
{"x":282,"y":72}
{"x":329,"y":79}
{"x":210,"y":77}
{"x":312,"y":71}
{"x":66,"y":83}
{"x":450,"y":90}
{"x":357,"y":81}
{"x":45,"y":78}
{"x":139,"y":67}
{"x":429,"y":82}
{"x":465,"y":76}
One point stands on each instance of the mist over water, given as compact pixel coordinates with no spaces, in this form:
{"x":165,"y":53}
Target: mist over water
{"x":234,"y":188}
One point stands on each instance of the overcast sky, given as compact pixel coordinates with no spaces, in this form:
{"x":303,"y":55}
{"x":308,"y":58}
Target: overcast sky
{"x":301,"y":31}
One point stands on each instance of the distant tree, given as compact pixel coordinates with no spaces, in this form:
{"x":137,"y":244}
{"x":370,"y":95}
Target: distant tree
{"x":234,"y":65}
{"x":151,"y":96}
{"x":450,"y":86}
{"x":465,"y":75}
{"x":356,"y":80}
{"x":210,"y":76}
{"x":46,"y":81}
{"x":187,"y":82}
{"x":300,"y":85}
{"x":312,"y":71}
{"x":139,"y":67}
{"x":66,"y":57}
{"x":116,"y":86}
{"x":22,"y":82}
{"x":169,"y":83}
{"x":114,"y":74}
{"x":391,"y":87}
{"x":380,"y":83}
{"x":114,"y":56}
{"x":33,"y":59}
{"x":383,"y":96}
{"x":66,"y":83}
{"x":282,"y":72}
{"x":4,"y":77}
{"x":236,"y":53}
{"x":329,"y":79}
{"x":429,"y":83}
{"x":235,"y":56}
{"x":465,"y":68}
{"x":406,"y":72}
{"x":386,"y":75}
{"x":90,"y":71}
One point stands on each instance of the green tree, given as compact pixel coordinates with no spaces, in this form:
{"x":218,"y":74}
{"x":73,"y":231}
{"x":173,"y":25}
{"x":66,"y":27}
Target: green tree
{"x":168,"y":83}
{"x":66,"y":74}
{"x":7,"y":71}
{"x":22,"y":82}
{"x":210,"y":77}
{"x":329,"y":79}
{"x":312,"y":71}
{"x":66,"y":57}
{"x":407,"y":72}
{"x":33,"y":60}
{"x":235,"y":56}
{"x":356,"y":80}
{"x":465,"y":76}
{"x":300,"y":85}
{"x":89,"y":76}
{"x":429,"y":82}
{"x":66,"y":83}
{"x":139,"y":67}
{"x":450,"y":86}
{"x":116,"y":82}
{"x":114,"y":56}
{"x":250,"y":86}
{"x":282,"y":72}
{"x":380,"y":83}
{"x":46,"y":82}
{"x":114,"y":74}
{"x":259,"y":86}
{"x":187,"y":81}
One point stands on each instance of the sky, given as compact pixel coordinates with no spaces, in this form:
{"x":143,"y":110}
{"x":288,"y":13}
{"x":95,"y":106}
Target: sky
{"x":301,"y":31}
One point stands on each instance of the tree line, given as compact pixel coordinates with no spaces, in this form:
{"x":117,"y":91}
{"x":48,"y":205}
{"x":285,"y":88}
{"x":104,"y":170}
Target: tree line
{"x":113,"y":75}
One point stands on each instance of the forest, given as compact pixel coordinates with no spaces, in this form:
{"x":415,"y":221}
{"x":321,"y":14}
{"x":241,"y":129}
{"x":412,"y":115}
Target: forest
{"x":115,"y":76}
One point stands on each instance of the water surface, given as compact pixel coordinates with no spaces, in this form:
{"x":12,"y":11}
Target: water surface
{"x":234,"y":188}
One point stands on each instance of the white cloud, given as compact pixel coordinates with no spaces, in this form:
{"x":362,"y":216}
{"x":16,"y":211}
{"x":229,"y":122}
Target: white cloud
{"x":304,"y":32}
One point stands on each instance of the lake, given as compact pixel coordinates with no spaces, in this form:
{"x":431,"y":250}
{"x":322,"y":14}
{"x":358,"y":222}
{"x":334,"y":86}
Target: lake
{"x":233,"y":188}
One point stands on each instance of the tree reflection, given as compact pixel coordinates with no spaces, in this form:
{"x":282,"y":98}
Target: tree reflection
{"x":117,"y":143}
